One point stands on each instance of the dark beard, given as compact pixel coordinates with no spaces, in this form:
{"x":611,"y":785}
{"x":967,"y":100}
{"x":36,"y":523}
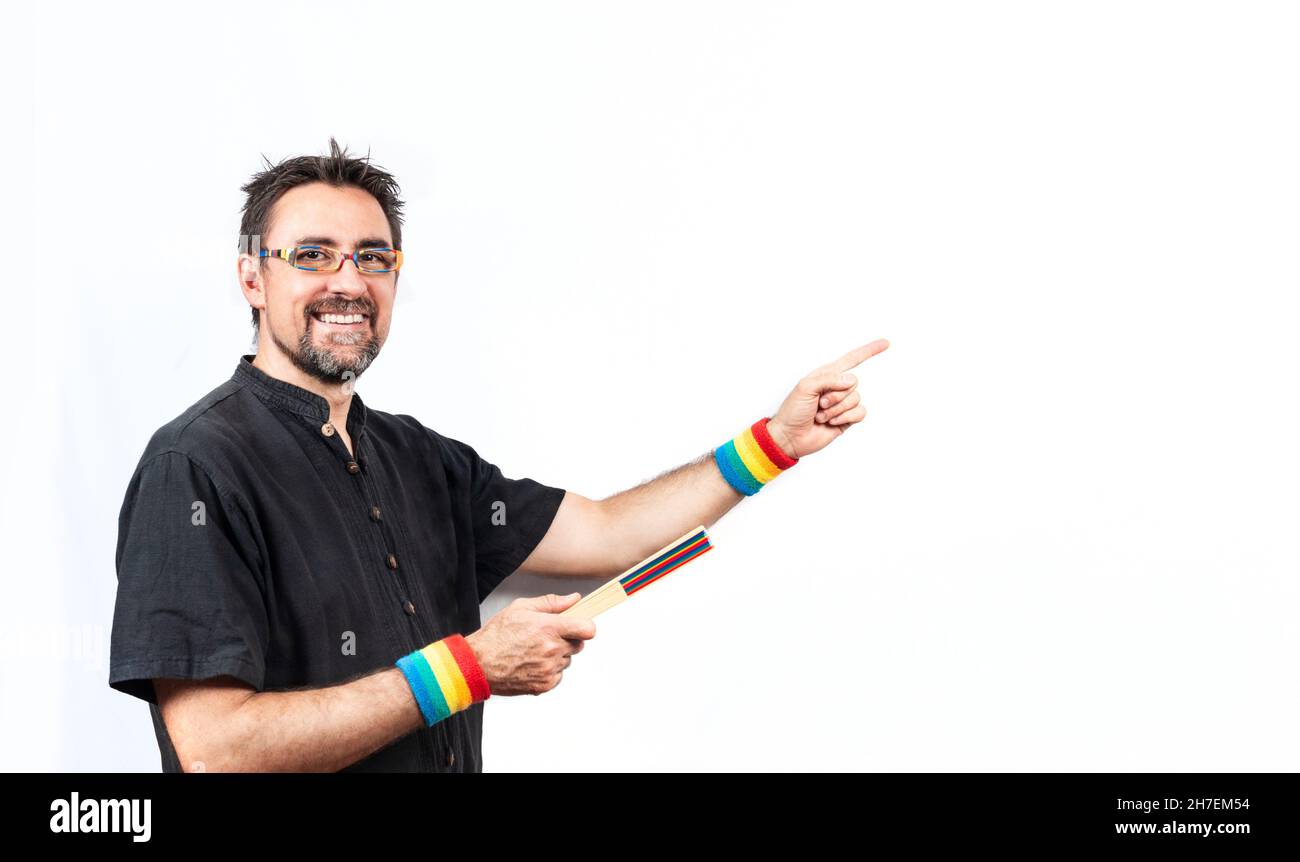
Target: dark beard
{"x":323,"y":364}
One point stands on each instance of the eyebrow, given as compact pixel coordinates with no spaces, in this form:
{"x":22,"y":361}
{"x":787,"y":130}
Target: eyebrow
{"x":368,"y":242}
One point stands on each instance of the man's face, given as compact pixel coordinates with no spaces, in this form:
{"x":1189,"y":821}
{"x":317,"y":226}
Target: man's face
{"x":312,"y":317}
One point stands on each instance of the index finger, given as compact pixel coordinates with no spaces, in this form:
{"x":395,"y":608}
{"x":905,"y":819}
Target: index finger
{"x":858,"y":355}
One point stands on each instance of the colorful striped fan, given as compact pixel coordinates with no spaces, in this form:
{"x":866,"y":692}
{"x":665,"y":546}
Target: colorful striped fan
{"x":673,"y":555}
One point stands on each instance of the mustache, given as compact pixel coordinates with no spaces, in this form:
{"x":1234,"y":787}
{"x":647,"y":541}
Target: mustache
{"x":365,"y":308}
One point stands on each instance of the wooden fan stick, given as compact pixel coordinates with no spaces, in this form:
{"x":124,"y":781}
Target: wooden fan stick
{"x":671,"y":556}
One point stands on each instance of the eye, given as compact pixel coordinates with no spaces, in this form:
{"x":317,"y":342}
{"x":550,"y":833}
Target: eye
{"x":376,"y":259}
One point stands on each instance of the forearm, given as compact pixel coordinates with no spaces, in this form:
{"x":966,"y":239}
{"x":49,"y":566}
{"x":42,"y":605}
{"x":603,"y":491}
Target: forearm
{"x":643,"y":519}
{"x":604,"y":538}
{"x":311,"y":730}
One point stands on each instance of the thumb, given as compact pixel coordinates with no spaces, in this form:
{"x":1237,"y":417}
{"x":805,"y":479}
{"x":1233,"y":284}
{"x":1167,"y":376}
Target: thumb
{"x":828,"y":380}
{"x":551,"y":603}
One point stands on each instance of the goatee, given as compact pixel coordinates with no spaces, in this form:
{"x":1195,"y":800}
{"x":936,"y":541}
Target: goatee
{"x":327,"y":365}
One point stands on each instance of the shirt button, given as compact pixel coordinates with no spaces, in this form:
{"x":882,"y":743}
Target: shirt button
{"x":327,"y":429}
{"x":392,"y":561}
{"x":374,"y":513}
{"x":409,"y":608}
{"x":451,"y":758}
{"x":354,"y":468}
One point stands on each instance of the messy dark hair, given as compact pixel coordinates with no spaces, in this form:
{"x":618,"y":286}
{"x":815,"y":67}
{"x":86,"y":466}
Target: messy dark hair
{"x":338,"y":169}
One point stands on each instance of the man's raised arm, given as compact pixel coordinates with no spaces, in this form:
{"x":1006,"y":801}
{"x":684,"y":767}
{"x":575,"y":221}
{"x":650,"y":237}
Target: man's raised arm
{"x":602,"y":538}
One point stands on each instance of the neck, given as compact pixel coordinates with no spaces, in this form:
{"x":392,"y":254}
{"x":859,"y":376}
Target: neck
{"x":272,"y":360}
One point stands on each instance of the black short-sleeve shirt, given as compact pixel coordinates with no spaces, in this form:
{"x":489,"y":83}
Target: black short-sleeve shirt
{"x":252,"y":544}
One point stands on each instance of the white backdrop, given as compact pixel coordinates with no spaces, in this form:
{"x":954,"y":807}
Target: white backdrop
{"x":1064,"y":538}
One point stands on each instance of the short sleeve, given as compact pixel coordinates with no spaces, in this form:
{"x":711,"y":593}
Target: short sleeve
{"x":190,"y":603}
{"x":510,"y":517}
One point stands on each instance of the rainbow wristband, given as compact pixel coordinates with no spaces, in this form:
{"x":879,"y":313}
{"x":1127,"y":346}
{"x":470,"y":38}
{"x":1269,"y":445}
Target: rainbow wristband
{"x":752,"y":459}
{"x":445,"y":678}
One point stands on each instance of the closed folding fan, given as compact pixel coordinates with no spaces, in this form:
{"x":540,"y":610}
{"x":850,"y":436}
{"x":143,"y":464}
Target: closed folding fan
{"x":672,"y":556}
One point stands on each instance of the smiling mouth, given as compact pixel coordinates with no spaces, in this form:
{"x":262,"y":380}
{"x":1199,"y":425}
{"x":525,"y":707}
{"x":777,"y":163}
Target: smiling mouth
{"x":341,"y":320}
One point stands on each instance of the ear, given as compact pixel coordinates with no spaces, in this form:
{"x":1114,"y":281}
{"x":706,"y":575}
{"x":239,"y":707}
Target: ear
{"x":249,"y":273}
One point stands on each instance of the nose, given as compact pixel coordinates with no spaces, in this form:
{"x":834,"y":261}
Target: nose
{"x":348,"y":281}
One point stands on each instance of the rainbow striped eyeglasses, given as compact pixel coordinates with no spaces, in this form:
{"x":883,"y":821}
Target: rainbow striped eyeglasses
{"x":322,"y":258}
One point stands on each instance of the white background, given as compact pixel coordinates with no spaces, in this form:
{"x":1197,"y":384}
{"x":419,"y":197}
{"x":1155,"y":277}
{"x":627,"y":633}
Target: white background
{"x":1064,"y":538}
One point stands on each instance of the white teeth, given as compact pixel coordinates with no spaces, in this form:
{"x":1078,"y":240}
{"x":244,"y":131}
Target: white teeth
{"x":342,"y":318}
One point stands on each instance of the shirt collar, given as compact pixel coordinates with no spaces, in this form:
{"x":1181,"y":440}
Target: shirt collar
{"x":294,"y":398}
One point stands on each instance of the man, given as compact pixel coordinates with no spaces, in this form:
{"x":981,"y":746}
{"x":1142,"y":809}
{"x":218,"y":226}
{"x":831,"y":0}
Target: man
{"x":299,"y":575}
